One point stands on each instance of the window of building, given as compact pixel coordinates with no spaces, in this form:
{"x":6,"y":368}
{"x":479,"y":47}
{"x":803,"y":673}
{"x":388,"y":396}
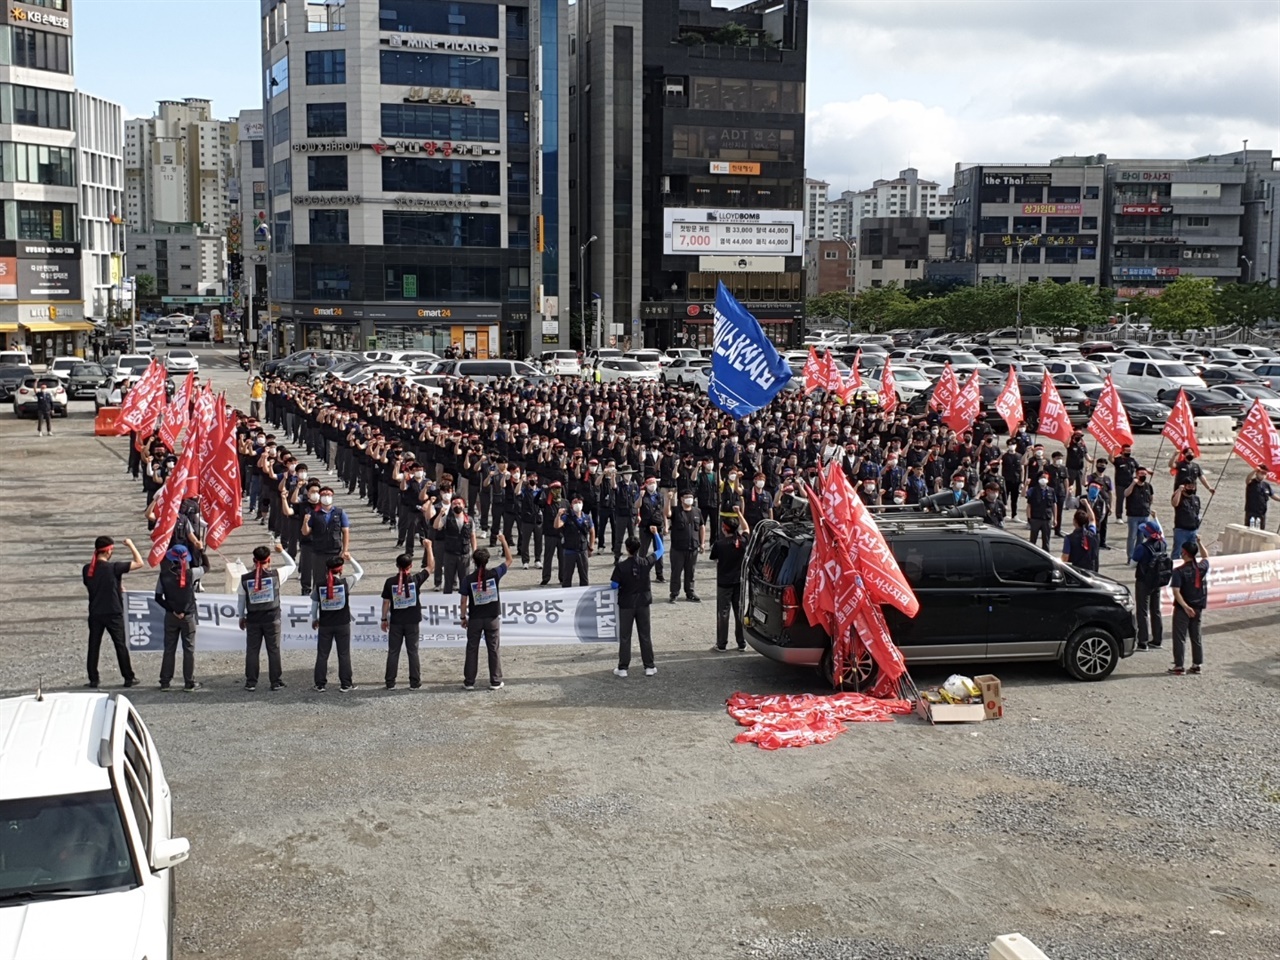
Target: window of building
{"x":34,"y":220}
{"x":325,"y":15}
{"x":326,"y":67}
{"x":517,"y":180}
{"x":517,"y":74}
{"x":830,"y":255}
{"x":41,"y":50}
{"x":256,"y":154}
{"x":326,"y":173}
{"x":447,"y":282}
{"x":29,"y":163}
{"x":517,"y":280}
{"x":425,"y":175}
{"x":427,"y":121}
{"x":281,"y":177}
{"x":1062,"y":225}
{"x":278,"y":76}
{"x":407,"y":68}
{"x":732,"y":143}
{"x":1028,"y":194}
{"x":1089,"y":223}
{"x":877,"y":264}
{"x":1091,"y":193}
{"x":280,"y":127}
{"x":517,"y":127}
{"x":757,"y":96}
{"x":518,"y":231}
{"x":1060,"y":194}
{"x":329,"y":226}
{"x":259,"y":194}
{"x":35,"y":107}
{"x":1195,"y":221}
{"x":441,"y":229}
{"x":517,"y":26}
{"x":330,"y":282}
{"x":440,"y":17}
{"x":326,"y":119}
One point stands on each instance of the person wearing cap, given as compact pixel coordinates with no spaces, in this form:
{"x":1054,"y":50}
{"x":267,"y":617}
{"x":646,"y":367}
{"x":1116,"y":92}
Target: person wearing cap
{"x":993,"y":511}
{"x":529,"y":509}
{"x":1057,"y":472}
{"x":1257,"y":497}
{"x":1148,"y":555}
{"x":630,"y":578}
{"x":757,"y":505}
{"x":1042,"y":505}
{"x":102,"y":579}
{"x":331,"y":619}
{"x":959,"y":488}
{"x":1183,"y":466}
{"x":1190,"y":585}
{"x":258,"y":609}
{"x":727,"y":552}
{"x":685,"y":524}
{"x":402,"y":616}
{"x":551,"y":505}
{"x":1104,"y":500}
{"x":577,"y":542}
{"x":626,"y":495}
{"x":1186,"y":512}
{"x":1077,"y":457}
{"x":1011,"y":473}
{"x":176,"y":596}
{"x":1080,"y":548}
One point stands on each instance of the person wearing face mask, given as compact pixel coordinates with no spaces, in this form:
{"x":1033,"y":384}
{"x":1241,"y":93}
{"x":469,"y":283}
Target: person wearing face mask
{"x":685,"y":524}
{"x":1011,"y":473}
{"x":551,"y":504}
{"x":992,"y":506}
{"x":1184,"y":467}
{"x":630,"y":578}
{"x":1186,"y":514}
{"x":455,"y":542}
{"x":727,"y":552}
{"x":577,"y":542}
{"x":329,"y":529}
{"x":1080,"y":548}
{"x":652,"y":515}
{"x":176,"y":596}
{"x":1042,"y":505}
{"x":102,"y":579}
{"x":402,"y":617}
{"x":959,"y":488}
{"x":305,"y":501}
{"x":1138,"y":497}
{"x":624,"y":522}
{"x":898,"y":497}
{"x":258,"y":607}
{"x":758,"y":503}
{"x":411,"y":478}
{"x":482,"y":616}
{"x":1102,"y":499}
{"x":917,"y":488}
{"x":1057,"y":471}
{"x":869,"y":492}
{"x":730,"y":494}
{"x":331,"y":618}
{"x":530,"y":513}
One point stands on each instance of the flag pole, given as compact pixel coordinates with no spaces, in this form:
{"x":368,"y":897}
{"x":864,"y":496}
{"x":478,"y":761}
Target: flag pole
{"x":1205,"y":511}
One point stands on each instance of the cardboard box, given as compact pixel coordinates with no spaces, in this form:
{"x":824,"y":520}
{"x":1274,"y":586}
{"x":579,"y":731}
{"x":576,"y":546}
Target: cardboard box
{"x":950,"y":712}
{"x":992,"y":700}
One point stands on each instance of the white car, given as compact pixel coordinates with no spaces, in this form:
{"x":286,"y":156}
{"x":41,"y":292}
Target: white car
{"x":1246,"y":393}
{"x":131,"y":363}
{"x":562,"y":363}
{"x":181,"y":361}
{"x":612,"y":370}
{"x":676,"y":353}
{"x":682,"y":370}
{"x":909,"y":381}
{"x":60,"y":367}
{"x":88,"y":831}
{"x":651,"y":360}
{"x":24,"y":395}
{"x":144,"y":347}
{"x":433,"y":385}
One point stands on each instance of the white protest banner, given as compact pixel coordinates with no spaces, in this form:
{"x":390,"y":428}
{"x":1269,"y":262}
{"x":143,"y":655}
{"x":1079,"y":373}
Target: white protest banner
{"x":529,"y":617}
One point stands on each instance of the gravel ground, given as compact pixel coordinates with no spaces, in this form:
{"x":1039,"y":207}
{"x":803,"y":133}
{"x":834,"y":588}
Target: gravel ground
{"x":574,"y":813}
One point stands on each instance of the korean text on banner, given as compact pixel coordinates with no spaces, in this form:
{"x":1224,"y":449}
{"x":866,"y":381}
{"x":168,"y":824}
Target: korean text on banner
{"x":1257,"y":443}
{"x":1180,"y":428}
{"x":1239,"y":580}
{"x":888,"y":388}
{"x":1009,"y":403}
{"x":529,"y":617}
{"x":746,"y":371}
{"x":944,"y":393}
{"x":1054,"y":421}
{"x":1110,"y":420}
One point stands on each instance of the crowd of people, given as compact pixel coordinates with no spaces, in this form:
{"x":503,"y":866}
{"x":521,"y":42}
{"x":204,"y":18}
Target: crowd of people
{"x":558,"y":472}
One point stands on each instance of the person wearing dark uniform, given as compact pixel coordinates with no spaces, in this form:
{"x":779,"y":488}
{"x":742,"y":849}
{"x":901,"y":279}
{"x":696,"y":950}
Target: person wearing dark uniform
{"x":1137,"y":504}
{"x":1011,"y":471}
{"x":757,"y":505}
{"x":1190,"y":583}
{"x":1058,"y":481}
{"x":1186,"y":514}
{"x":1126,"y":469}
{"x":577,"y":542}
{"x":685,"y":524}
{"x":551,"y":503}
{"x":329,"y":529}
{"x":176,"y":596}
{"x":456,"y":541}
{"x":101,"y":577}
{"x":530,"y":514}
{"x":992,"y":506}
{"x":652,"y":516}
{"x":1080,"y":548}
{"x":331,"y":618}
{"x":727,"y":552}
{"x":1257,"y":496}
{"x":482,"y":616}
{"x":630,"y":578}
{"x":1041,"y":509}
{"x":402,"y":617}
{"x":258,"y":607}
{"x":625,"y":495}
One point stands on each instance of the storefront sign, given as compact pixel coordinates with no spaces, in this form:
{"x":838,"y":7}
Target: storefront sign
{"x":1017,"y":179}
{"x":735,"y":169}
{"x":1145,"y":176}
{"x":195,"y":300}
{"x":439,"y":203}
{"x":21,"y":15}
{"x":742,"y":264}
{"x":327,"y":200}
{"x":512,"y":314}
{"x":452,"y":98}
{"x":327,"y":146}
{"x":1145,"y":272}
{"x":1128,"y":293}
{"x":1041,"y":240}
{"x":551,"y":328}
{"x":700,"y":230}
{"x":1052,"y":209}
{"x":326,"y":311}
{"x":48,"y":279}
{"x":431,"y":43}
{"x":8,"y":278}
{"x":431,"y":148}
{"x":760,"y":309}
{"x":250,"y":129}
{"x":1140,"y":239}
{"x":1146,"y":209}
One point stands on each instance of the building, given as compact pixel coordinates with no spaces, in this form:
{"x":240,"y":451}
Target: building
{"x":1172,"y":218}
{"x":829,"y":266}
{"x":100,"y":173}
{"x":246,"y":265}
{"x":905,"y":196}
{"x":1261,"y":227}
{"x":417,"y":189}
{"x":692,"y":133}
{"x":1050,"y":214}
{"x":894,"y":250}
{"x":187,"y":260}
{"x":815,"y":210}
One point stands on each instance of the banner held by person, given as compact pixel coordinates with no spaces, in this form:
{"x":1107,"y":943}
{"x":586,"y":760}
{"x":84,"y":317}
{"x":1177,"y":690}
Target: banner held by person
{"x":1238,"y":580}
{"x":1180,"y":428}
{"x":964,"y":408}
{"x":1257,"y":443}
{"x":746,"y":369}
{"x":888,"y":388}
{"x":574,"y":615}
{"x":1054,"y":421}
{"x":944,"y":393}
{"x":141,"y":405}
{"x":1110,"y":421}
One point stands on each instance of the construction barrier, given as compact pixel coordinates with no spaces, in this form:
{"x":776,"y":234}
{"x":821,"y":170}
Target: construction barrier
{"x":1215,"y":431}
{"x":1237,"y":538}
{"x":105,"y":424}
{"x":1014,"y":946}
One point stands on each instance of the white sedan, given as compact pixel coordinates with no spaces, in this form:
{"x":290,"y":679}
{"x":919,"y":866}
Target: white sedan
{"x":1246,"y":393}
{"x":613,"y":371}
{"x":682,"y":370}
{"x":909,"y":381}
{"x":651,"y":360}
{"x":181,"y":361}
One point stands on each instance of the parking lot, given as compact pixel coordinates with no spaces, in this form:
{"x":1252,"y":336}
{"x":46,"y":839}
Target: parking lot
{"x":575,"y":814}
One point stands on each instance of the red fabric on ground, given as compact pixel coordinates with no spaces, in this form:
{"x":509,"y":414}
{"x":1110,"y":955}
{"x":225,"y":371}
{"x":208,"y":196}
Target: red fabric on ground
{"x":798,"y":720}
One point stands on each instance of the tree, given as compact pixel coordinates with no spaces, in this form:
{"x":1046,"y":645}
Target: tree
{"x":1059,"y":305}
{"x":1247,"y":303}
{"x":732,"y":35}
{"x":882,"y":308}
{"x":1186,"y":303}
{"x":834,"y":304}
{"x":984,"y":307}
{"x":144,"y":285}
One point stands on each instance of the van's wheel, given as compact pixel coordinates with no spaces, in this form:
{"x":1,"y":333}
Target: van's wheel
{"x":1091,"y":654}
{"x":858,"y":674}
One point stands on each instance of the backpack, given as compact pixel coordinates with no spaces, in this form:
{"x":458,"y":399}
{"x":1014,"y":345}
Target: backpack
{"x":1157,"y":570}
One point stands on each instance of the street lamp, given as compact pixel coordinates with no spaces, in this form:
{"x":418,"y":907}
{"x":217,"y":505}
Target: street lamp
{"x":263,"y":234}
{"x":582,"y":289}
{"x":1033,"y":239}
{"x":852,"y":251}
{"x":1245,"y":278}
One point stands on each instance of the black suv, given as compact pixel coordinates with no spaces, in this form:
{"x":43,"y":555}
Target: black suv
{"x":985,"y":594}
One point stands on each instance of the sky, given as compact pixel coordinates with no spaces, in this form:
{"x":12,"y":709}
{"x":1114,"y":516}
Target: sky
{"x":892,"y":83}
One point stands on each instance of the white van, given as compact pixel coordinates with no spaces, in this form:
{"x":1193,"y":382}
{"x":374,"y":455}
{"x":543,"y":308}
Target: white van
{"x":1152,"y":376}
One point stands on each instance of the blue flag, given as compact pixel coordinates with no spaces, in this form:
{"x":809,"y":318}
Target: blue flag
{"x":746,"y":370}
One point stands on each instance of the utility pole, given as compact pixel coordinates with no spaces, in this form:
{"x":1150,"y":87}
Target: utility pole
{"x":582,"y":289}
{"x":1033,"y":239}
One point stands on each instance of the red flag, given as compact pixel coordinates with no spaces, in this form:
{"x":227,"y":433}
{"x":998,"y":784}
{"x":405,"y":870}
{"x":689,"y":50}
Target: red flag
{"x":945,"y":391}
{"x":169,"y":499}
{"x":813,"y":372}
{"x":1180,"y":428}
{"x":884,"y":579}
{"x":853,"y":383}
{"x":1009,"y":403}
{"x":221,"y":497}
{"x":141,"y":405}
{"x":817,"y":597}
{"x":1257,"y":443}
{"x":1110,"y":422}
{"x":888,"y":389}
{"x":964,"y":408}
{"x":177,"y":413}
{"x":1054,"y":421}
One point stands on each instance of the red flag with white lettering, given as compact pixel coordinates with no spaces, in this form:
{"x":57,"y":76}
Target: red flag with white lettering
{"x":1110,"y":422}
{"x":818,"y":607}
{"x":1054,"y":421}
{"x":888,"y":389}
{"x":884,"y":579}
{"x":169,"y":499}
{"x":1009,"y":403}
{"x":1257,"y":443}
{"x":964,"y":408}
{"x":944,"y":392}
{"x":177,"y":413}
{"x":141,"y":405}
{"x":814,"y":375}
{"x":220,"y":496}
{"x":1180,"y":428}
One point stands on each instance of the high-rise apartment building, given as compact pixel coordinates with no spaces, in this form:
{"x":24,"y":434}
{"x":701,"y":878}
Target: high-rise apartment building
{"x":100,"y":174}
{"x":417,"y":184}
{"x":815,"y":210}
{"x":691,"y":132}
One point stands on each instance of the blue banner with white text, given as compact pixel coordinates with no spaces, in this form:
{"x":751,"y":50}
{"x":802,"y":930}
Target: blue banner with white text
{"x":746,"y":371}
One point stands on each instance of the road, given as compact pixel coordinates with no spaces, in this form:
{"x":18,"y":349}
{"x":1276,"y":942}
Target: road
{"x":576,"y":814}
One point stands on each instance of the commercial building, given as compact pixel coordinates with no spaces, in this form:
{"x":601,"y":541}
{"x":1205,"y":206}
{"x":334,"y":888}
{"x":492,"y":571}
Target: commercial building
{"x":895,"y":250}
{"x":417,"y":189}
{"x":1261,"y":225}
{"x":1049,"y":215}
{"x":691,"y":139}
{"x":815,"y":210}
{"x":187,"y":260}
{"x":100,"y":174}
{"x":829,"y":265}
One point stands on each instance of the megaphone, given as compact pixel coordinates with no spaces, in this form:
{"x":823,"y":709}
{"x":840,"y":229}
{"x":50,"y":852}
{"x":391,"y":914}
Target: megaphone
{"x":974,"y":508}
{"x":938,"y":502}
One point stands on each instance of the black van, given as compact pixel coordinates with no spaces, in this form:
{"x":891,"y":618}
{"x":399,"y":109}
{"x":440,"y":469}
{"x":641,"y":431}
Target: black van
{"x":984,"y":594}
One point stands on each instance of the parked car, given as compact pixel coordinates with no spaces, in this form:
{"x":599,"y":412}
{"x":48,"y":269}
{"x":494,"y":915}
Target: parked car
{"x":200,"y":330}
{"x":688,"y":353}
{"x":1216,"y":376}
{"x":486,"y":371}
{"x":1246,"y":393}
{"x":909,"y":381}
{"x":130,"y":363}
{"x":1205,"y":402}
{"x":682,"y":370}
{"x":88,"y":831}
{"x":562,"y":363}
{"x":83,"y":382}
{"x":1072,"y":366}
{"x":959,"y":359}
{"x":1029,"y":336}
{"x":651,"y":360}
{"x":24,"y":396}
{"x":11,"y":375}
{"x":60,"y":367}
{"x":181,"y":361}
{"x":604,"y":353}
{"x":144,"y":346}
{"x":1145,"y":353}
{"x":178,"y":336}
{"x":985,"y":595}
{"x":1153,"y":376}
{"x":613,"y":370}
{"x":1145,"y":411}
{"x":14,"y":358}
